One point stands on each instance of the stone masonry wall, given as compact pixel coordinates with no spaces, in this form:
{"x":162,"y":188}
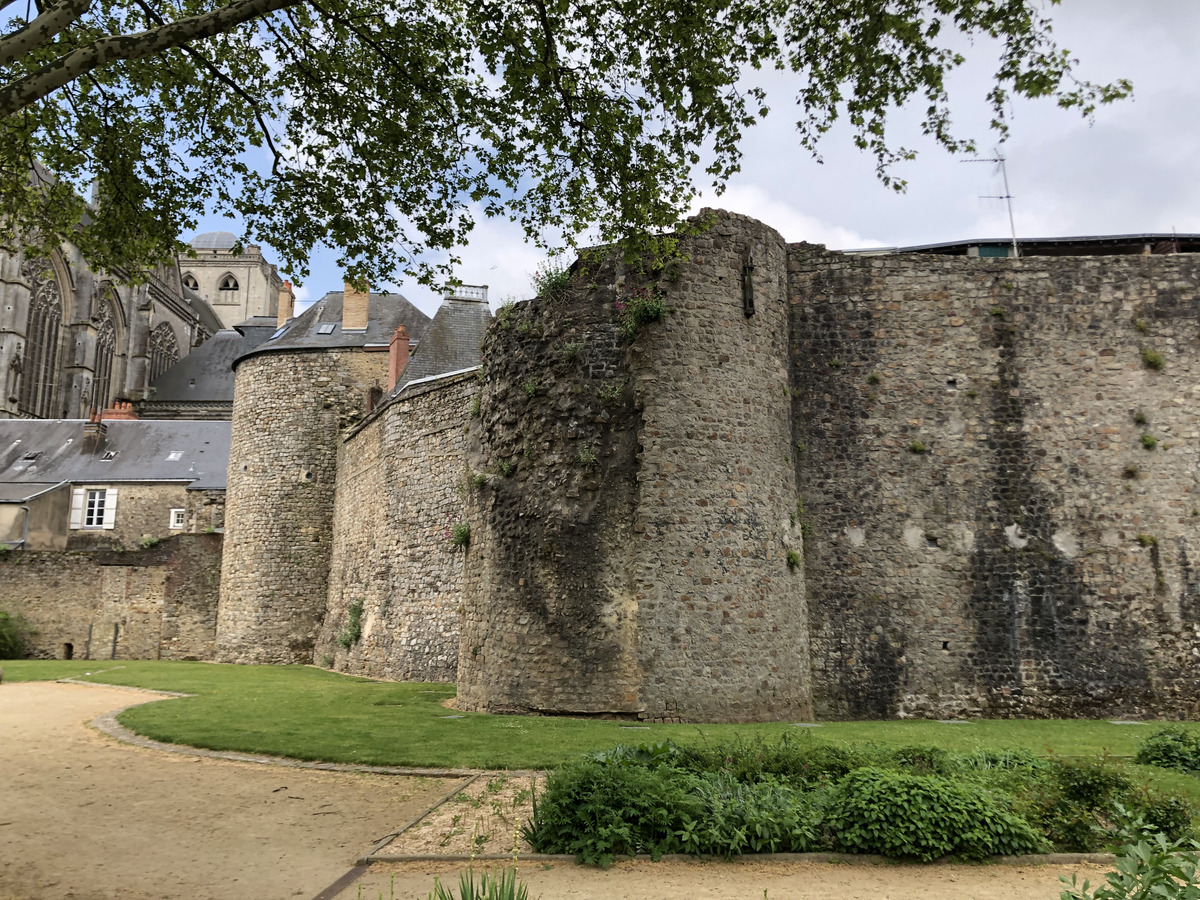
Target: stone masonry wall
{"x":629,"y":546}
{"x":549,"y":617}
{"x":162,"y":601}
{"x":288,"y":412}
{"x":1000,"y":494}
{"x":400,"y":490}
{"x":143,"y":511}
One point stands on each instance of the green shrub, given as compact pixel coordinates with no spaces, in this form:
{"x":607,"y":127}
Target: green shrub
{"x":1152,"y":359}
{"x":353,"y":630}
{"x":1154,"y":868}
{"x":15,"y":635}
{"x":638,"y":309}
{"x":598,"y":811}
{"x":1173,"y":747}
{"x":923,"y":817}
{"x":763,"y":817}
{"x":794,"y":559}
{"x":551,"y":280}
{"x":1149,"y":441}
{"x":797,"y":760}
{"x":917,"y":447}
{"x":460,"y":534}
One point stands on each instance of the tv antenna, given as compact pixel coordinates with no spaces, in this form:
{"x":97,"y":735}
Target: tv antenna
{"x":998,"y":159}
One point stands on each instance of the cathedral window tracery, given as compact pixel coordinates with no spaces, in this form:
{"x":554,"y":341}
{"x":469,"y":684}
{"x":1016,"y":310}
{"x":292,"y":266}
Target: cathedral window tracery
{"x":106,"y":351}
{"x":43,"y":340}
{"x":164,"y":349}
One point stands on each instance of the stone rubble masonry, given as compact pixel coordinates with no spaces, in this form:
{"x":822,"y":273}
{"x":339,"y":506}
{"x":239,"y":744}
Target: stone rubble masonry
{"x":162,"y":600}
{"x":289,"y":410}
{"x":632,"y":543}
{"x":143,"y":511}
{"x":400,"y":488}
{"x":991,"y":495}
{"x":988,"y":534}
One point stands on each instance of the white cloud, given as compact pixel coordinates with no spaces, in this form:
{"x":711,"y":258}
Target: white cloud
{"x":754,"y":201}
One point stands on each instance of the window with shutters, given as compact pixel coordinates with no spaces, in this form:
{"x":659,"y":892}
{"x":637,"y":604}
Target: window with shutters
{"x":94,"y":507}
{"x":93,"y":514}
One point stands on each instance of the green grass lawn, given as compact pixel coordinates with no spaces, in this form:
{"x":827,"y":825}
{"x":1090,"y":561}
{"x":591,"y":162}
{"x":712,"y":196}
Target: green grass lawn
{"x":309,"y":713}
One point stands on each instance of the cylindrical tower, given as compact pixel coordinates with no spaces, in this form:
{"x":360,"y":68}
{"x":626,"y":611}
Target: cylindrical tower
{"x":293,"y":397}
{"x":631,"y":534}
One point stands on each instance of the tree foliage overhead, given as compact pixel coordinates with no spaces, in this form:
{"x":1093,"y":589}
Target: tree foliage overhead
{"x":385,"y":128}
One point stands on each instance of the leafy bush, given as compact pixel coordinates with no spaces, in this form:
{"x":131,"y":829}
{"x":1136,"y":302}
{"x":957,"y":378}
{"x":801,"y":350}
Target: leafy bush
{"x":923,"y":817}
{"x":460,"y":532}
{"x":638,"y":309}
{"x":551,"y":280}
{"x":597,"y":811}
{"x":15,"y":635}
{"x":1156,"y":867}
{"x":1173,"y":747}
{"x":766,"y":817}
{"x":353,"y":630}
{"x":799,"y":761}
{"x":1152,"y":359}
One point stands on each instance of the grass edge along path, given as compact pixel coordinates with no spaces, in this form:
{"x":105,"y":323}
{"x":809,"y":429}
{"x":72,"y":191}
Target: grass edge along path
{"x":308,"y":713}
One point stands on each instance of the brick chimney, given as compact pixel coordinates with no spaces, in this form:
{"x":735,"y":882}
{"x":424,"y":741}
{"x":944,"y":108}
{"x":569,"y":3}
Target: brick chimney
{"x":93,"y":434}
{"x":287,"y":304}
{"x":397,"y":355}
{"x":121,"y":409}
{"x":354,"y":308}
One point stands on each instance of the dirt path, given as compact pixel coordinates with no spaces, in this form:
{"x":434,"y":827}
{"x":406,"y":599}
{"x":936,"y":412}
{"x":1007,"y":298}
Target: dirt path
{"x":742,"y":880}
{"x":85,"y":817}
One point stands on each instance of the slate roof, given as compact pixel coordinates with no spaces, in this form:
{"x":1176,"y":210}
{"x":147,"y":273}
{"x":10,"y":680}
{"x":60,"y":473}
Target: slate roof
{"x":452,"y":342}
{"x":141,"y":451}
{"x":203,"y":376}
{"x":384,"y":313}
{"x":1083,"y":245}
{"x":214,"y":240}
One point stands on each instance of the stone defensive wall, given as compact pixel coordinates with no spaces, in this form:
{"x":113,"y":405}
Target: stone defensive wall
{"x":288,"y":413}
{"x":998,"y":465}
{"x":155,"y":603}
{"x":400,"y":491}
{"x":632,"y":520}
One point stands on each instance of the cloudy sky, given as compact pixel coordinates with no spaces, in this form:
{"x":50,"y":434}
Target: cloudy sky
{"x":1133,"y":170}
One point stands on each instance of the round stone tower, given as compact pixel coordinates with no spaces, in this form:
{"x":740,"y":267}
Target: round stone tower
{"x":294,"y":395}
{"x":631,"y":534}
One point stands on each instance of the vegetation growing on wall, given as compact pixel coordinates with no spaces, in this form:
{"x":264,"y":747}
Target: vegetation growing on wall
{"x":15,"y":633}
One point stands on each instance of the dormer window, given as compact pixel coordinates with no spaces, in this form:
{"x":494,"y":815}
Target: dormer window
{"x":228,"y":283}
{"x":190,"y":282}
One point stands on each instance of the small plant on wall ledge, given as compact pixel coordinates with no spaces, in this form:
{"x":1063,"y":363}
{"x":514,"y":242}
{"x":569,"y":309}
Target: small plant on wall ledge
{"x":1149,"y":441}
{"x":1151,"y":358}
{"x":793,"y":559}
{"x":917,"y":447}
{"x":460,"y":534}
{"x":639,"y":308}
{"x":353,"y":630}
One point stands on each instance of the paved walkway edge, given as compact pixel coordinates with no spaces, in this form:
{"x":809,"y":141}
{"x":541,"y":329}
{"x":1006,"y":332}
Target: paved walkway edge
{"x":862,"y":859}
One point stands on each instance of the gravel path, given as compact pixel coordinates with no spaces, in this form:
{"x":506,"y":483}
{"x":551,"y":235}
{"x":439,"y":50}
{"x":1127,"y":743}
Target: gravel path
{"x":85,"y":817}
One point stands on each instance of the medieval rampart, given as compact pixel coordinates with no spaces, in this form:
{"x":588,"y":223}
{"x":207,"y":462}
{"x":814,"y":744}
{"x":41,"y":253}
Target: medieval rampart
{"x":401,"y":483}
{"x":998,"y":460}
{"x":632,"y":541}
{"x":154,"y":603}
{"x":288,"y":412}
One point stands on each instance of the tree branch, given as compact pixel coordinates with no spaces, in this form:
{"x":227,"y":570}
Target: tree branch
{"x":228,"y":82}
{"x":41,"y":29}
{"x":37,"y":85}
